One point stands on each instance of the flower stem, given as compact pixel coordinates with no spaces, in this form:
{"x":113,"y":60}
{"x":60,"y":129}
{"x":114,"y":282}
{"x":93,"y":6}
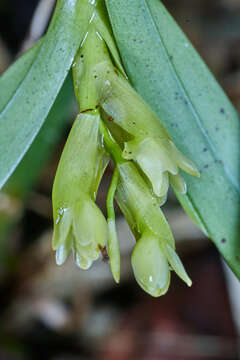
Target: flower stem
{"x":110,"y":144}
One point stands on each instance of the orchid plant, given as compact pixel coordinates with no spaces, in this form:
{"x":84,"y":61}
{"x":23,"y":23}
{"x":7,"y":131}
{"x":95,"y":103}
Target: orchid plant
{"x":126,"y":113}
{"x":114,"y":122}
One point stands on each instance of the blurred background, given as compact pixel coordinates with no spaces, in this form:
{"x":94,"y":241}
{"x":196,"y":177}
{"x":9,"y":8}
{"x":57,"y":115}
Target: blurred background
{"x":63,"y":313}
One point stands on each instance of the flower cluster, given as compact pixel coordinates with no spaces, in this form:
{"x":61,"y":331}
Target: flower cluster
{"x":115,"y":122}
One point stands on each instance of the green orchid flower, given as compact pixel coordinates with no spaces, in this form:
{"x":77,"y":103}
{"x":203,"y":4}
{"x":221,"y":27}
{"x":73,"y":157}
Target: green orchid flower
{"x":150,"y":145}
{"x":145,"y":140}
{"x":154,"y":251}
{"x":114,"y":119}
{"x":79,"y":225}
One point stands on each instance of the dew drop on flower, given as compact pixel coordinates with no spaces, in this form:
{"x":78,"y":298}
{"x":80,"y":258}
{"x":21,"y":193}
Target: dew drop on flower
{"x":60,"y":212}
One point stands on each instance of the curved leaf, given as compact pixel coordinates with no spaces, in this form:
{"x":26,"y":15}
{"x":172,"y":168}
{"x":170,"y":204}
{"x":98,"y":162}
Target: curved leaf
{"x":15,"y":74}
{"x":169,"y":74}
{"x":23,"y":115}
{"x":19,"y":184}
{"x":38,"y":154}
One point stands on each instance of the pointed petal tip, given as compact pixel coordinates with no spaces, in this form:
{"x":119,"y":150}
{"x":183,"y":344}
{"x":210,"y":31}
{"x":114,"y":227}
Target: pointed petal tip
{"x":197,"y":173}
{"x":81,"y":262}
{"x":191,"y":169}
{"x":60,"y":255}
{"x":114,"y":250}
{"x":176,"y":264}
{"x":116,"y":278}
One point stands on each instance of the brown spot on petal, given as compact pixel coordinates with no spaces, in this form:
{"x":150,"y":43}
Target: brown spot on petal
{"x":105,"y":257}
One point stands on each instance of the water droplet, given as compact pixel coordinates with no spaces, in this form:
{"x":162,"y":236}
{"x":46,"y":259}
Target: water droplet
{"x":92,"y":17}
{"x":84,"y":38}
{"x":150,"y":279}
{"x":98,"y":35}
{"x":60,"y":212}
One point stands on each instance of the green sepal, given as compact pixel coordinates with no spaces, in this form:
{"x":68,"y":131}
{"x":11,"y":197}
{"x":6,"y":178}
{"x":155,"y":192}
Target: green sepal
{"x":77,"y":168}
{"x":139,"y":205}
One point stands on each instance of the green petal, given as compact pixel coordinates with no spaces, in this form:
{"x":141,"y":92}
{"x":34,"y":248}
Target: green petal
{"x":82,"y":262}
{"x":63,"y":250}
{"x":133,"y":193}
{"x":178,"y":183}
{"x":150,"y":266}
{"x":62,"y":225}
{"x":91,"y":251}
{"x":77,"y":168}
{"x":113,"y":250}
{"x":183,"y":162}
{"x":176,"y":263}
{"x":155,"y":159}
{"x":89,"y":225}
{"x":120,"y":101}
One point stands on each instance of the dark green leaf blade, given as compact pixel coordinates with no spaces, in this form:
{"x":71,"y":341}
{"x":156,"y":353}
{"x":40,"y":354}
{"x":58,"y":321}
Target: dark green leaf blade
{"x":22,"y":181}
{"x":25,"y":112}
{"x":38,"y":154}
{"x":165,"y":69}
{"x":15,"y":74}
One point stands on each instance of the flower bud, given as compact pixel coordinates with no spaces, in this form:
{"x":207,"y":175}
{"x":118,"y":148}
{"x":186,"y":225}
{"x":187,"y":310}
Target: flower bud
{"x":150,"y":260}
{"x":150,"y":266}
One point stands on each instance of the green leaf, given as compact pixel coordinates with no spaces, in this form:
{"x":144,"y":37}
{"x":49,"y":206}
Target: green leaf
{"x":13,"y":77}
{"x":30,"y":102}
{"x":19,"y":184}
{"x":38,"y":154}
{"x":169,"y":74}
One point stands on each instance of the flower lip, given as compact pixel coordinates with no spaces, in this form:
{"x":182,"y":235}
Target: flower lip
{"x":82,"y":228}
{"x":160,"y":160}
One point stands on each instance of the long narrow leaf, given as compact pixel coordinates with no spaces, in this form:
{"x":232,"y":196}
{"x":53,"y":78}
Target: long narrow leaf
{"x":23,"y":115}
{"x":13,"y":77}
{"x":171,"y":77}
{"x":19,"y":184}
{"x":26,"y":173}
